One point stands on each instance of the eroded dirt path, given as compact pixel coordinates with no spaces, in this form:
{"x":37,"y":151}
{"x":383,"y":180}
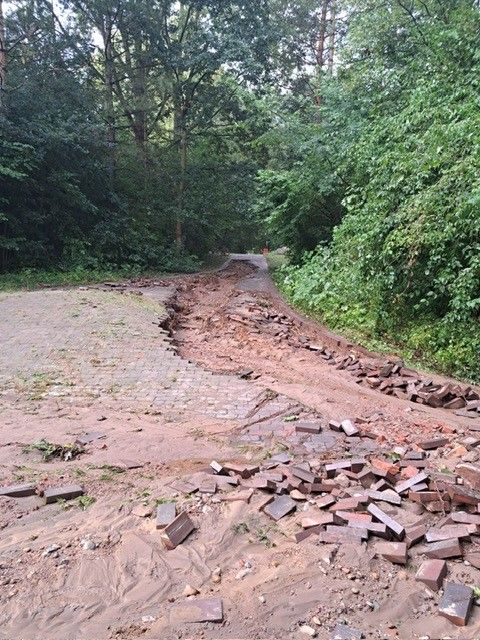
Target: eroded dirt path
{"x":157,"y":368}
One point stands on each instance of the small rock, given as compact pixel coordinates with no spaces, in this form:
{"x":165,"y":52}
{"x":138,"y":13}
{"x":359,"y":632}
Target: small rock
{"x":51,"y":549}
{"x":308,"y":631}
{"x":88,"y":545}
{"x":190,"y":591}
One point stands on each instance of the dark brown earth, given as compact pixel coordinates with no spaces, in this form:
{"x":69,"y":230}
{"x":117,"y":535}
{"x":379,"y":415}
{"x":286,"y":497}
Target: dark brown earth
{"x":172,"y":418}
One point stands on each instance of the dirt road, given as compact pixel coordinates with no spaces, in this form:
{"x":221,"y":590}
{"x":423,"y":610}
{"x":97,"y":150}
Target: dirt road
{"x":168,"y":376}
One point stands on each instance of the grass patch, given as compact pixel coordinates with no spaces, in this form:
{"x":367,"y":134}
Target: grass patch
{"x":50,"y":450}
{"x":30,"y":279}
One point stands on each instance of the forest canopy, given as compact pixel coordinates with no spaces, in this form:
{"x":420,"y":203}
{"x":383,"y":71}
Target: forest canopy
{"x":147,"y":134}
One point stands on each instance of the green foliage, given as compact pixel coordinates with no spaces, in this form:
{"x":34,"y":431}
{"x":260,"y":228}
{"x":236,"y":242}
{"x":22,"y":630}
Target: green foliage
{"x":49,"y":450}
{"x":404,"y":264}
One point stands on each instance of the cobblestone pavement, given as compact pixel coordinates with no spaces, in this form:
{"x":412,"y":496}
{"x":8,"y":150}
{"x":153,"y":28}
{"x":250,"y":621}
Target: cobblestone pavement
{"x":87,"y":344}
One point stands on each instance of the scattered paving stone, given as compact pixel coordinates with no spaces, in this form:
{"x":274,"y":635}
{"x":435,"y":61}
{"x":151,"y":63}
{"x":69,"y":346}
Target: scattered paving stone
{"x":18,"y":490}
{"x":413,"y":535}
{"x":461,"y":495}
{"x":66,"y":492}
{"x":280,"y":507}
{"x":465,"y":518}
{"x":343,"y":534}
{"x":197,"y":610}
{"x":395,"y":527}
{"x":470,"y":473}
{"x":166,"y":514}
{"x":401,"y":487}
{"x":396,"y":552}
{"x":461,"y":531}
{"x":308,"y":427}
{"x":432,"y":573}
{"x":177,"y":531}
{"x":304,"y":474}
{"x":473,"y":558}
{"x":349,"y":428}
{"x":180,"y":486}
{"x":385,"y":496}
{"x":456,"y":603}
{"x":325,"y":501}
{"x":217,"y":467}
{"x":244,"y":471}
{"x":343,"y":632}
{"x":435,"y":443}
{"x":445,"y":549}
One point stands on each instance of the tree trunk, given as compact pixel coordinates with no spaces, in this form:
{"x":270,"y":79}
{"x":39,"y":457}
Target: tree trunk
{"x":3,"y":58}
{"x":109,"y":104}
{"x":331,"y":37}
{"x":180,"y":139}
{"x":320,"y":53}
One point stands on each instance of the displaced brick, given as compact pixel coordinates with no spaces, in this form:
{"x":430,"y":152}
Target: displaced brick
{"x":401,"y":487}
{"x":260,"y":482}
{"x":166,"y":514}
{"x":320,"y":519}
{"x":244,"y":471}
{"x":208,"y":485}
{"x":366,"y":478}
{"x":348,"y":504}
{"x":456,"y":603}
{"x":303,"y":474}
{"x":385,"y":496}
{"x":432,"y":573}
{"x":197,"y":610}
{"x":395,"y":527}
{"x":470,"y":473}
{"x":395,"y":552}
{"x":462,"y":495}
{"x":375,"y":528}
{"x":321,"y":487}
{"x":415,"y":534}
{"x":434,"y":443}
{"x":343,"y":534}
{"x":461,"y":531}
{"x":325,"y":501}
{"x":218,"y":468}
{"x":444,"y":549}
{"x":18,"y":490}
{"x":308,"y":427}
{"x":335,"y":426}
{"x":177,"y":531}
{"x":349,"y":428}
{"x":343,"y":632}
{"x":180,"y":486}
{"x":279,"y":507}
{"x":465,"y":518}
{"x":66,"y":492}
{"x":424,"y":496}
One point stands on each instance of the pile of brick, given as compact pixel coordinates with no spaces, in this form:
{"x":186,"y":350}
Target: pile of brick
{"x":392,"y":378}
{"x":356,"y":500}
